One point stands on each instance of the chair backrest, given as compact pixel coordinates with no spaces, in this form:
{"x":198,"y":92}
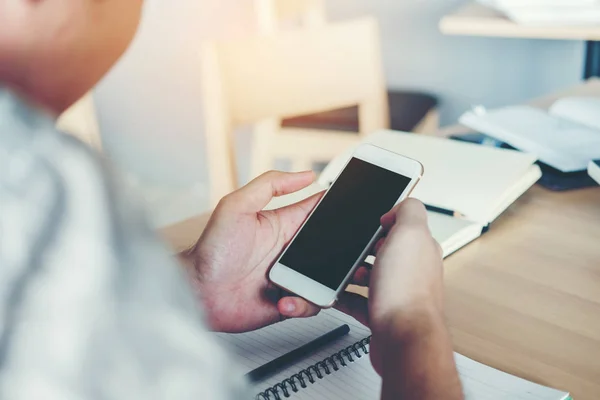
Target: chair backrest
{"x":288,"y":74}
{"x":80,"y":121}
{"x":271,"y":13}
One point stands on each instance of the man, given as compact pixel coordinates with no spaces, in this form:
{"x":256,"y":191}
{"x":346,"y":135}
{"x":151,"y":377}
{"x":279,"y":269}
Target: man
{"x":91,"y":305}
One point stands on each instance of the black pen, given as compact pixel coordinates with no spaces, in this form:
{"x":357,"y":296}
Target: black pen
{"x":272,"y":367}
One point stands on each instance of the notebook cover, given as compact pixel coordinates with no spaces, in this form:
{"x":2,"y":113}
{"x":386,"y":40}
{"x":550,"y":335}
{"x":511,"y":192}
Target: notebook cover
{"x":467,"y":178}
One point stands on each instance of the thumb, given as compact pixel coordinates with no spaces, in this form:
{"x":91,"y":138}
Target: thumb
{"x":253,"y":197}
{"x":411,"y":212}
{"x":295,"y":307}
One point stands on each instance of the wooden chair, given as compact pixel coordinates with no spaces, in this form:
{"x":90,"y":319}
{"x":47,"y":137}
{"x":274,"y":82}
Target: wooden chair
{"x":299,"y":72}
{"x":409,"y":111}
{"x":80,"y":121}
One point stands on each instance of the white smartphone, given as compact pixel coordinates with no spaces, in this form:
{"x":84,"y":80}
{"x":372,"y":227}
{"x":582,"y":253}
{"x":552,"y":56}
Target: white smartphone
{"x":335,"y":239}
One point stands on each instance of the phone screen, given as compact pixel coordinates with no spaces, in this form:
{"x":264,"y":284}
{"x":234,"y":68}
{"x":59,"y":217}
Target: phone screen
{"x":345,"y":221}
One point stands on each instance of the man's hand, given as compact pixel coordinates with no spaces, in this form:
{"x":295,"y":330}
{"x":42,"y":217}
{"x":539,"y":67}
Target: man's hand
{"x":410,"y":347}
{"x":229,"y":263}
{"x":406,"y":287}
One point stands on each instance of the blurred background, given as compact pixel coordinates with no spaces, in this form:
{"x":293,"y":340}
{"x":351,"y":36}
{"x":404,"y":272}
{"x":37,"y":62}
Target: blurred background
{"x":150,"y":109}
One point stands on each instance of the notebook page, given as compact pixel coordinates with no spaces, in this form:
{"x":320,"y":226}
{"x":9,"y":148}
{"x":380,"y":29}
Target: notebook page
{"x":359,"y":381}
{"x":481,"y":382}
{"x":452,"y":233}
{"x":584,"y":110}
{"x":254,"y":349}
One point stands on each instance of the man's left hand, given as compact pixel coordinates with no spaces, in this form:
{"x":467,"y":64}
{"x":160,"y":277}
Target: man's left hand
{"x":229,"y":263}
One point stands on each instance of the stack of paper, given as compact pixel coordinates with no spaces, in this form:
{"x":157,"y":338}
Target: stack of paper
{"x":549,"y":12}
{"x":567,"y":137}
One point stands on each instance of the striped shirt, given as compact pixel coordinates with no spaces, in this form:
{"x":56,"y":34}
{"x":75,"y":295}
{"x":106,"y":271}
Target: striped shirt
{"x":91,"y":303}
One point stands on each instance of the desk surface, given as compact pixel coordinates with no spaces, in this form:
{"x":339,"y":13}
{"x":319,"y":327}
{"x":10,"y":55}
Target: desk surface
{"x":475,"y":19}
{"x":525,"y":297}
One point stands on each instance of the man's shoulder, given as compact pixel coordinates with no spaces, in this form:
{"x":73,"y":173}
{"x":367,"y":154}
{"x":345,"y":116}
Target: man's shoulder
{"x":29,"y":137}
{"x":63,"y":158}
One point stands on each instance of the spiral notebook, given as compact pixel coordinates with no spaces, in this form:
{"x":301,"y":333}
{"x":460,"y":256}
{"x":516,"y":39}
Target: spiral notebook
{"x":343,"y":369}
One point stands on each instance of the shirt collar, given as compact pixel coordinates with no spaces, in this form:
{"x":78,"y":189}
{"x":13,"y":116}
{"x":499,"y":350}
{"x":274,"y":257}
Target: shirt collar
{"x":20,"y":121}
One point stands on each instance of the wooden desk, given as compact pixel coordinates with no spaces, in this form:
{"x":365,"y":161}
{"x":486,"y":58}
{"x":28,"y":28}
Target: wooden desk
{"x":475,"y":19}
{"x":525,"y":297}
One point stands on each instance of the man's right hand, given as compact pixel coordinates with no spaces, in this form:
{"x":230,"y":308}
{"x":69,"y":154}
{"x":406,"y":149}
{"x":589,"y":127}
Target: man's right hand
{"x":406,"y":284}
{"x":410,"y":347}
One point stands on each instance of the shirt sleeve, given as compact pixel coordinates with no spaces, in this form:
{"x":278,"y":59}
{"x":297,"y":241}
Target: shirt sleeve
{"x":92,"y":305}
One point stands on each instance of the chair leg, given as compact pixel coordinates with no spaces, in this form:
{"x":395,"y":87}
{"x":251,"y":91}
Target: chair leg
{"x":430,"y":124}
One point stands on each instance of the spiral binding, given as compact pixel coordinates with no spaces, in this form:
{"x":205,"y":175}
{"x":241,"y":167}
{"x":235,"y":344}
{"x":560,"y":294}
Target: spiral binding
{"x":319,"y":370}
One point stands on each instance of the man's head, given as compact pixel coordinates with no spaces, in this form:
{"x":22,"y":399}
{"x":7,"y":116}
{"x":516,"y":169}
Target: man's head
{"x":54,"y":51}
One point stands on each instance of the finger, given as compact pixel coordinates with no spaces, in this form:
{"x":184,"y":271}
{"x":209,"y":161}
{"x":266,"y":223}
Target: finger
{"x":411,"y":212}
{"x":295,"y":307}
{"x":361,"y":277}
{"x":378,"y":245}
{"x":294,"y":215}
{"x":389,"y":219}
{"x":354,"y":305}
{"x":257,"y":194}
{"x":375,"y":248}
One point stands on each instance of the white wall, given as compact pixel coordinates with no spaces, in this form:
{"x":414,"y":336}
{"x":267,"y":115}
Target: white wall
{"x":462,"y":70}
{"x":150,"y":107}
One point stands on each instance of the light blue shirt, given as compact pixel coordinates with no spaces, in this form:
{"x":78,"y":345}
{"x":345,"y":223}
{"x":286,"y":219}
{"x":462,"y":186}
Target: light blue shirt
{"x":91,"y":303}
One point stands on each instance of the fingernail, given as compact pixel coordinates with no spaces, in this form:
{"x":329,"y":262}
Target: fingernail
{"x":289,"y":307}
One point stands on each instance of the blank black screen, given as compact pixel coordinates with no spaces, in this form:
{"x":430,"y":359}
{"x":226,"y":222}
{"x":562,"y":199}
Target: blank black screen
{"x":345,"y":221}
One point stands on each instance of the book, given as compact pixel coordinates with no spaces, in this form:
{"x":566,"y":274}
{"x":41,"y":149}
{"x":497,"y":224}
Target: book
{"x":343,"y":370}
{"x":566,"y":137}
{"x":472,"y":184}
{"x":594,"y":170}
